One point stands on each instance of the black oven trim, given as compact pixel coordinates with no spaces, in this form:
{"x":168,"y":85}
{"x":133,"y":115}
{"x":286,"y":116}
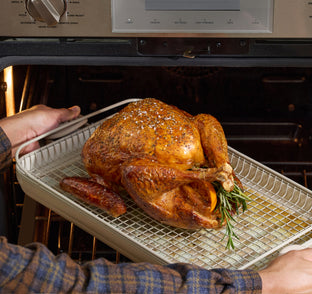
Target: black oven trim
{"x":156,"y":52}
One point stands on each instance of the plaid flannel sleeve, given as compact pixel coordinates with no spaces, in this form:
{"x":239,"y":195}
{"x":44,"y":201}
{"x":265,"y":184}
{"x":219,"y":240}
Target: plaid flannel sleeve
{"x":36,"y":270}
{"x":5,"y":151}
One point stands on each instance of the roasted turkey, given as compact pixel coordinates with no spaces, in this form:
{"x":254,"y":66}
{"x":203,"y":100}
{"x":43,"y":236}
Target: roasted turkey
{"x":166,"y":160}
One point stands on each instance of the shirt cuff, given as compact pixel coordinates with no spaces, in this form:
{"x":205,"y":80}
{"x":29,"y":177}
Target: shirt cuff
{"x":246,"y":281}
{"x":5,"y":151}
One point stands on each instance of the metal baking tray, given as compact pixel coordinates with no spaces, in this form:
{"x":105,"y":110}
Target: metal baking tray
{"x":279,"y":213}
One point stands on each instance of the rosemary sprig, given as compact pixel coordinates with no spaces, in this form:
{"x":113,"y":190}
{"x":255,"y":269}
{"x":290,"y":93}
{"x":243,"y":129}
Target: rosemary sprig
{"x":228,"y":204}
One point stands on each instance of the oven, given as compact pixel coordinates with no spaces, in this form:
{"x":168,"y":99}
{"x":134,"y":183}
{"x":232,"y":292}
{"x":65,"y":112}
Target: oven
{"x":248,"y":63}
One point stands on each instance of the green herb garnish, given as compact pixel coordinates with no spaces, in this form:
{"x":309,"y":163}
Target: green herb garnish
{"x":228,"y":204}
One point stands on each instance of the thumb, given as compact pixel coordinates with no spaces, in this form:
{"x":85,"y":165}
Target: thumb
{"x":69,"y":113}
{"x":30,"y":147}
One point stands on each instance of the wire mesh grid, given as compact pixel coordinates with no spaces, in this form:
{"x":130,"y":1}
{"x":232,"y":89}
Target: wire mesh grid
{"x":279,"y":211}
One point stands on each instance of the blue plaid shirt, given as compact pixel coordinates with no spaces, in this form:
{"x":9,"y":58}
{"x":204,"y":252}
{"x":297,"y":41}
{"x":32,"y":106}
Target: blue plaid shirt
{"x":34,"y":269}
{"x":5,"y":151}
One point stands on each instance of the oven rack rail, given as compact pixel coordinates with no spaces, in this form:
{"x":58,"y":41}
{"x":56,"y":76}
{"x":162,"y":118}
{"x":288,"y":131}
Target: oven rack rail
{"x":278,"y":214}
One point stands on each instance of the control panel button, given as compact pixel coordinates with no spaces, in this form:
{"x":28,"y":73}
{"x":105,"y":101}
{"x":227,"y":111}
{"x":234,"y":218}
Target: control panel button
{"x":48,"y":11}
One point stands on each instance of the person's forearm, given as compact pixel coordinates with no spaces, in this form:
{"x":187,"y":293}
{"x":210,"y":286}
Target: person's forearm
{"x":15,"y":129}
{"x":33,"y":122}
{"x":33,"y":268}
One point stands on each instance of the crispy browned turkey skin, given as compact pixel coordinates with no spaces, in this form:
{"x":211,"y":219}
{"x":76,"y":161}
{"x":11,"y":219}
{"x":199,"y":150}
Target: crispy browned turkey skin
{"x":164,"y":158}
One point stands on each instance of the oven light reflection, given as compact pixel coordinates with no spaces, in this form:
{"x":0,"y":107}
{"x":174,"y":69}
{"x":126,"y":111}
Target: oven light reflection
{"x":9,"y":93}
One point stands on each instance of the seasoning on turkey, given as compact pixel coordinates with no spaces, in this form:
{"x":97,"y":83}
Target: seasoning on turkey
{"x":167,"y":160}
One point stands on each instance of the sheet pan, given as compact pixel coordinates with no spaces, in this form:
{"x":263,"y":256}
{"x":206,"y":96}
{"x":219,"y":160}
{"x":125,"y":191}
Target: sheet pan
{"x":278,"y":214}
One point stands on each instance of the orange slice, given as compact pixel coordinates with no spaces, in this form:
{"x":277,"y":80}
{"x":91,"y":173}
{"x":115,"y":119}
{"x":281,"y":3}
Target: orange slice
{"x":213,"y":196}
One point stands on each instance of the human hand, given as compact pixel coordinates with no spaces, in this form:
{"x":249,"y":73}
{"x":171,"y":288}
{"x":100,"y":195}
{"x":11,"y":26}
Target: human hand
{"x":290,"y":273}
{"x":34,"y":122}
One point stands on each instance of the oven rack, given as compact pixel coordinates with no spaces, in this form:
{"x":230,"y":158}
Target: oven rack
{"x":278,"y":214}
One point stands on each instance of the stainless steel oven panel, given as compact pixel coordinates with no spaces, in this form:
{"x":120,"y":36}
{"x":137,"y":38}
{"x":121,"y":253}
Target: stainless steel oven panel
{"x":93,"y":18}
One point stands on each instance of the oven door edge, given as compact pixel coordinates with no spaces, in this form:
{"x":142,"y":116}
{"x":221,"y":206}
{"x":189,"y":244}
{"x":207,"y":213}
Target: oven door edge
{"x":156,"y":52}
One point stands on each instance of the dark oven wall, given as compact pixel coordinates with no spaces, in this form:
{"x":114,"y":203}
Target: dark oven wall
{"x":260,"y":108}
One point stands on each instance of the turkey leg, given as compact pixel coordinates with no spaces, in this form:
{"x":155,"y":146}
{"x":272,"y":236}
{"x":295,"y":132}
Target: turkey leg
{"x":215,"y":146}
{"x":148,"y":180}
{"x":181,"y":198}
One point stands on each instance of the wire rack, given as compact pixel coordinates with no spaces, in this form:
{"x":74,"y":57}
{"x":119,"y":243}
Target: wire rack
{"x":278,"y":214}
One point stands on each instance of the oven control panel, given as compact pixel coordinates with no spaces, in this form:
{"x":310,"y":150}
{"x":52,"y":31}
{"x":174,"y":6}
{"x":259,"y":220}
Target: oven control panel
{"x":170,"y":18}
{"x":195,"y":16}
